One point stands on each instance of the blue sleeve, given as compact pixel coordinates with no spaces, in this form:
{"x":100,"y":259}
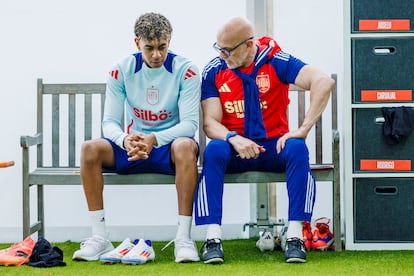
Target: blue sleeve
{"x":208,"y":83}
{"x":287,"y":67}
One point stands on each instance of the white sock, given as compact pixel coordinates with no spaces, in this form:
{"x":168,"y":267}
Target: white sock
{"x":294,"y":229}
{"x":98,"y":223}
{"x":184,"y":227}
{"x":213,"y":231}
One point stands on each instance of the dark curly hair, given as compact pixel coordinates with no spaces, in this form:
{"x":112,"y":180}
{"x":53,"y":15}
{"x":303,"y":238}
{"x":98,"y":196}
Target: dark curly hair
{"x":153,"y":26}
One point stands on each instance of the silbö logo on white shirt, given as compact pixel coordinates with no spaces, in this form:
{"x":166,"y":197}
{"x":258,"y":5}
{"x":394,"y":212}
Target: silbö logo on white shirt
{"x":148,"y":115}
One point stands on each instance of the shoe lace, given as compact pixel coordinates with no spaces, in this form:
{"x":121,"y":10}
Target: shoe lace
{"x":182,"y":243}
{"x":211,"y":243}
{"x":168,"y":244}
{"x":323,"y":226}
{"x":295,"y":242}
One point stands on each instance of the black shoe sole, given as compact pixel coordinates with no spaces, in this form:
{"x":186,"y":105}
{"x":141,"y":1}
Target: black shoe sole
{"x":295,"y":260}
{"x":214,"y":261}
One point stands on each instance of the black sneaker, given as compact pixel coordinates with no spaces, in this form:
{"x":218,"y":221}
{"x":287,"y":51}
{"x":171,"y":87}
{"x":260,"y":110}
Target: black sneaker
{"x":295,"y":251}
{"x":212,"y":252}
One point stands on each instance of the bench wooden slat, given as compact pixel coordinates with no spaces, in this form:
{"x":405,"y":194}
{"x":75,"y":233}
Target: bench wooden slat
{"x":39,"y":116}
{"x":72,"y":130}
{"x":301,"y":105}
{"x":88,"y":117}
{"x":55,"y":130}
{"x":73,"y":88}
{"x":102,"y":109}
{"x":318,"y":143}
{"x":334,"y":101}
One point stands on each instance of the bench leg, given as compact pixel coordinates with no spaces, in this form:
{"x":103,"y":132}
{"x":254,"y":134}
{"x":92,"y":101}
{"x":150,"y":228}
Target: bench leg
{"x":262,"y":206}
{"x":26,"y":209}
{"x":259,"y":209}
{"x":336,"y":189}
{"x":337,"y":214}
{"x":40,"y":210}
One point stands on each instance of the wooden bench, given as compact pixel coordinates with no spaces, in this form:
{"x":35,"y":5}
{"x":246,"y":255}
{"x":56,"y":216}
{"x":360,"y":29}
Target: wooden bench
{"x":67,"y":115}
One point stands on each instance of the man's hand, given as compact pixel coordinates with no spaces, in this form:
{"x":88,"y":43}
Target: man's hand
{"x":245,"y":147}
{"x":139,"y":145}
{"x":281,"y":142}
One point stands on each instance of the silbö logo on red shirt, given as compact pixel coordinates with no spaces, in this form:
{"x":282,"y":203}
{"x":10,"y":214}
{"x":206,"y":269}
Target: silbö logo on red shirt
{"x":237,"y":107}
{"x":148,"y":115}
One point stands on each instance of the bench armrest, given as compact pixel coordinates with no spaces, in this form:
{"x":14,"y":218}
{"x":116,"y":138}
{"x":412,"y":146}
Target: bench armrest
{"x":335,"y":134}
{"x":335,"y":149}
{"x":26,"y":141}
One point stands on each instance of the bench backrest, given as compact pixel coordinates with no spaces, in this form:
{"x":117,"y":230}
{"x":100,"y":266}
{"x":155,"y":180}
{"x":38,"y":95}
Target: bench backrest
{"x":76,"y":112}
{"x":54,"y":101}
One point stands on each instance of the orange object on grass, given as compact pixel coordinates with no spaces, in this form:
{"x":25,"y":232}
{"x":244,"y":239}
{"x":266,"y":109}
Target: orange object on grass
{"x":17,"y":254}
{"x":307,"y":235}
{"x":323,"y":238}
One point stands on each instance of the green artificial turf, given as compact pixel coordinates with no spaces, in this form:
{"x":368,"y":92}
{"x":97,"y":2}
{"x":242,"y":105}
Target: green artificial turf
{"x":241,"y":258}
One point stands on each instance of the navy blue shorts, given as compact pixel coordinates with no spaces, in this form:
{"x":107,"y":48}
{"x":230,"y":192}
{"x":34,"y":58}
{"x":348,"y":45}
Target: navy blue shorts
{"x":159,"y":161}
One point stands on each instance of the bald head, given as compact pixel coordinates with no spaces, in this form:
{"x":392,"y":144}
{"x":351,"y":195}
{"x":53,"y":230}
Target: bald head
{"x":235,"y":30}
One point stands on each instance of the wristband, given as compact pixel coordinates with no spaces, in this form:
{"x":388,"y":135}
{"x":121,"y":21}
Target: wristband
{"x":230,"y":134}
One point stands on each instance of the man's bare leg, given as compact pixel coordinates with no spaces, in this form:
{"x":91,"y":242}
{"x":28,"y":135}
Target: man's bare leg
{"x":94,"y":155}
{"x":184,"y":156}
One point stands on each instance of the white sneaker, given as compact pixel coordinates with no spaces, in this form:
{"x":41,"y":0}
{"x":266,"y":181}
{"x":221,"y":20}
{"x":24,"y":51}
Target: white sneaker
{"x":140,"y":254}
{"x":118,"y":253}
{"x":92,"y":248}
{"x":266,"y":241}
{"x":283,"y":238}
{"x":185,"y":251}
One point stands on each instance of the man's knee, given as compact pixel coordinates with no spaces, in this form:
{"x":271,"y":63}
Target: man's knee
{"x":297,"y":148}
{"x":88,"y":149}
{"x":184,"y":149}
{"x":216,"y":150}
{"x":93,"y":150}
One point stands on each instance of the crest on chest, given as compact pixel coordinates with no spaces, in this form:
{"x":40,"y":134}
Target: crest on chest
{"x":153,"y":95}
{"x":263,"y":82}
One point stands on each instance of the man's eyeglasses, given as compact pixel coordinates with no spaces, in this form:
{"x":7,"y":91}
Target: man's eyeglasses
{"x":227,"y":51}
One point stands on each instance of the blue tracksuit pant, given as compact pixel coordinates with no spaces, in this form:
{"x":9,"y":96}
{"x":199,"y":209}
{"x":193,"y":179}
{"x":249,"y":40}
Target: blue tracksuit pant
{"x":221,"y":158}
